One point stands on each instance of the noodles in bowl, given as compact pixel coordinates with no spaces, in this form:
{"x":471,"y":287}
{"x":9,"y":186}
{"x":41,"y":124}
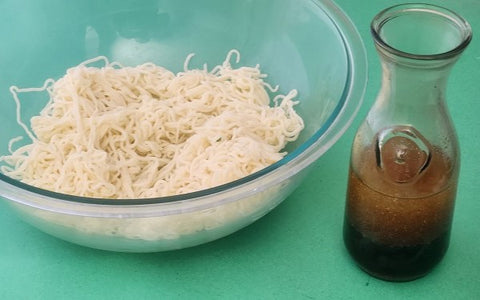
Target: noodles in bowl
{"x":145,"y":132}
{"x":308,"y":46}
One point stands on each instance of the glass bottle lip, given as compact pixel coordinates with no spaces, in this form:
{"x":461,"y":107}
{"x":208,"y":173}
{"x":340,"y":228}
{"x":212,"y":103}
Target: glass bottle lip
{"x":388,"y":14}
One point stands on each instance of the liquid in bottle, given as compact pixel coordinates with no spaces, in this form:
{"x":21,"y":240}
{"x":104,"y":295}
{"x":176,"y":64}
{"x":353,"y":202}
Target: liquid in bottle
{"x":399,"y":207}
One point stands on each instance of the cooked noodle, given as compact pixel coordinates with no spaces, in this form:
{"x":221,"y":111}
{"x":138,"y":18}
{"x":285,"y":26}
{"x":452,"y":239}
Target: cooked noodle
{"x":136,"y":132}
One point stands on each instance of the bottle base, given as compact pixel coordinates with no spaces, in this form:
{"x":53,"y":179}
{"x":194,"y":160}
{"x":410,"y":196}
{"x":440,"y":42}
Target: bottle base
{"x":394,"y":263}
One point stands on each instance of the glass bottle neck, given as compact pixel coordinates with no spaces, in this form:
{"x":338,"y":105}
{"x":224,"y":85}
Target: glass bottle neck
{"x":413,"y":82}
{"x":418,"y":44}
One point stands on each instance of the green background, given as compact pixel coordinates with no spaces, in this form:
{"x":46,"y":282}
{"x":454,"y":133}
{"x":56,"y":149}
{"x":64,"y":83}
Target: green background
{"x":296,"y":251}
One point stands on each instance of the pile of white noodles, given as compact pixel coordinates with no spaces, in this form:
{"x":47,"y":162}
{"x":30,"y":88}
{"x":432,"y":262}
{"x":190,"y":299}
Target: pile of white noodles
{"x":137,"y":132}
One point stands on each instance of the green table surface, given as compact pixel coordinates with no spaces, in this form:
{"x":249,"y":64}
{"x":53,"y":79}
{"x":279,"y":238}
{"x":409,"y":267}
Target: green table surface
{"x":296,"y":251}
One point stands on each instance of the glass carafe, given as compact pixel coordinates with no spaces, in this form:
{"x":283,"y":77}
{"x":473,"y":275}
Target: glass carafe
{"x":405,"y":157}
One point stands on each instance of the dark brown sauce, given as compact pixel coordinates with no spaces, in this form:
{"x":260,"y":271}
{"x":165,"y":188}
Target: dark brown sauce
{"x":394,"y":263}
{"x":396,"y":231}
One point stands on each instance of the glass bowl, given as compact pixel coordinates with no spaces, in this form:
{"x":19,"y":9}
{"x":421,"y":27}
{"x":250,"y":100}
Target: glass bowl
{"x":308,"y":45}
